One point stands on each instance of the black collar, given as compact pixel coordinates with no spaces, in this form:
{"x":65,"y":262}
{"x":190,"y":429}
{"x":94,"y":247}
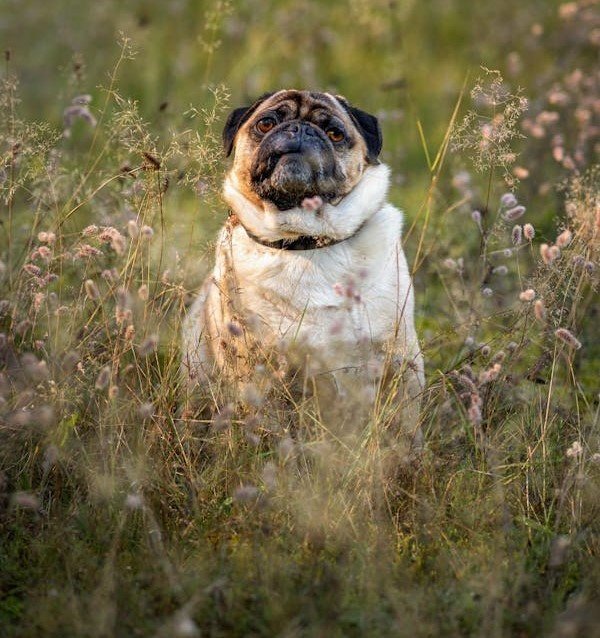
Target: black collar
{"x":304,"y":242}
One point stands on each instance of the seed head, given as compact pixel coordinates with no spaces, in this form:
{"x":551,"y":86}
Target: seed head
{"x":234,"y":329}
{"x":91,"y":289}
{"x":575,"y":450}
{"x":103,"y":378}
{"x":529,"y":232}
{"x":474,"y":414}
{"x":147,"y":232}
{"x":245,"y":494}
{"x":143,"y":292}
{"x":487,"y":292}
{"x":527,"y":295}
{"x":148,"y":346}
{"x":145,"y":410}
{"x":500,"y":270}
{"x":517,"y":235}
{"x":564,"y":239}
{"x":568,"y":337}
{"x":133,"y":229}
{"x":513,"y":214}
{"x":539,"y":310}
{"x":450,"y":264}
{"x":508,"y":200}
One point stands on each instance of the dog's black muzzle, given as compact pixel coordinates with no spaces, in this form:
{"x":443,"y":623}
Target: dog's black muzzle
{"x":294,"y":161}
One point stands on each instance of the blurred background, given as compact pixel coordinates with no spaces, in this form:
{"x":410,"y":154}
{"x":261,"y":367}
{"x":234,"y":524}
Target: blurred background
{"x":402,"y":59}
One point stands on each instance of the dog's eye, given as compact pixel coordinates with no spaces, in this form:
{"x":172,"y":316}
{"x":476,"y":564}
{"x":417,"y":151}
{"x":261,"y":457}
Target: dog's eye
{"x":335,"y":134}
{"x":265,"y":124}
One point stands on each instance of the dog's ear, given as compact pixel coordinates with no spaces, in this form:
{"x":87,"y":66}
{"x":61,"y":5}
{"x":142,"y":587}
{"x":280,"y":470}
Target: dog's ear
{"x":368,"y":126}
{"x":235,"y":119}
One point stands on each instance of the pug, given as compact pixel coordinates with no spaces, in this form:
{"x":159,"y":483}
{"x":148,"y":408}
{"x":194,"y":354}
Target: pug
{"x":310,"y":257}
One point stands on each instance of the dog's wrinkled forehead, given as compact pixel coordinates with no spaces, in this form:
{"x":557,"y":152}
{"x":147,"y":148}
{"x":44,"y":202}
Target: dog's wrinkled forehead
{"x":306,"y":105}
{"x":303,"y":105}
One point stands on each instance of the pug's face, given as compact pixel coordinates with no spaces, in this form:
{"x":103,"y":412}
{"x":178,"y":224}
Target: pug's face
{"x":292,"y":145}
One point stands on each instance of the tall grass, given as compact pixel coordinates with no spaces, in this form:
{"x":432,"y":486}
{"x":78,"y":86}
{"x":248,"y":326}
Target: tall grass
{"x":126,"y":511}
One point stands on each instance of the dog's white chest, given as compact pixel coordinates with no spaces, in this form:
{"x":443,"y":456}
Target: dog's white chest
{"x":334,"y":299}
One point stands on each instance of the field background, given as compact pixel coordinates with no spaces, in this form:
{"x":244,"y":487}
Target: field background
{"x":121,"y":514}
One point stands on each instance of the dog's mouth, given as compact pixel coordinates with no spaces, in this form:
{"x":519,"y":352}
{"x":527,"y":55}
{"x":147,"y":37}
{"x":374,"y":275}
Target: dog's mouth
{"x":288,"y":169}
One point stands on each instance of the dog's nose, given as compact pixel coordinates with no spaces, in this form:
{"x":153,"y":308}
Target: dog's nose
{"x":300,"y":130}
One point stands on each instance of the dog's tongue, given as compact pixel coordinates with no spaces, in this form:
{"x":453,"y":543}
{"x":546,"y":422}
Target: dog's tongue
{"x":312,"y":204}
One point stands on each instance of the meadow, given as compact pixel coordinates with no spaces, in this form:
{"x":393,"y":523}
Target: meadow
{"x":126,"y":512}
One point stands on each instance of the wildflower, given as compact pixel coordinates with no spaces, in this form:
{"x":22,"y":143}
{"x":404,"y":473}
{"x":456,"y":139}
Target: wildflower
{"x":134,"y":501}
{"x":113,"y":392}
{"x":539,"y":310}
{"x":508,"y":200}
{"x":103,"y":379}
{"x":564,"y":239}
{"x":91,"y":289}
{"x":286,"y":448}
{"x":575,"y":450}
{"x":590,"y":267}
{"x":26,"y":500}
{"x":474,"y":414}
{"x":517,"y":235}
{"x":514,"y":213}
{"x":148,"y":346}
{"x":527,"y":295}
{"x":485,"y":350}
{"x":245,"y":493}
{"x":547,"y":254}
{"x":578,"y":260}
{"x":528,"y":232}
{"x":46,"y":237}
{"x":499,"y":357}
{"x":449,"y":263}
{"x":500,"y":270}
{"x":476,"y":217}
{"x":567,"y":336}
{"x":133,"y":229}
{"x":114,"y":238}
{"x":507,"y":252}
{"x":83,"y":251}
{"x":71,"y":113}
{"x":235,"y":330}
{"x":251,"y":395}
{"x":554,"y":252}
{"x":512,"y":346}
{"x":467,"y":382}
{"x":487,"y":292}
{"x":145,"y":410}
{"x":32,"y":269}
{"x":469,"y":342}
{"x":520,"y":172}
{"x":38,"y":299}
{"x":129,"y":333}
{"x":70,"y":361}
{"x":143,"y":292}
{"x":90,"y":230}
{"x":491,"y":374}
{"x":147,"y":232}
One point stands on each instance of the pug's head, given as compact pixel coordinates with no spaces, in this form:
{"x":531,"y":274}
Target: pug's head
{"x":293,"y":145}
